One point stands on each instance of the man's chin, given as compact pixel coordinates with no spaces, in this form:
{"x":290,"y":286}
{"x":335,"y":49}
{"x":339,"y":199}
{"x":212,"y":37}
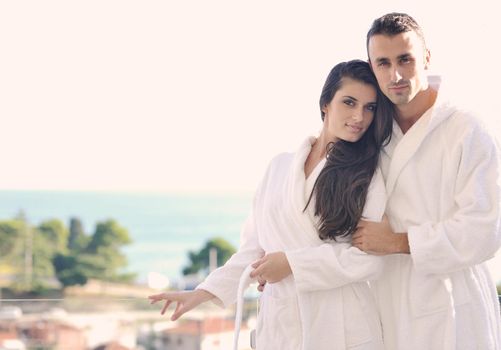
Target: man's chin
{"x":400,"y":99}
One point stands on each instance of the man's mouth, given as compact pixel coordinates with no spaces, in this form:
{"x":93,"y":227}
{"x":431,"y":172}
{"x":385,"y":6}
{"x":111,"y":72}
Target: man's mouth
{"x":398,"y":87}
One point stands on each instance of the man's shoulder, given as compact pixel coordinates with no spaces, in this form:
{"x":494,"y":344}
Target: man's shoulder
{"x":466,"y":126}
{"x":465,"y":120}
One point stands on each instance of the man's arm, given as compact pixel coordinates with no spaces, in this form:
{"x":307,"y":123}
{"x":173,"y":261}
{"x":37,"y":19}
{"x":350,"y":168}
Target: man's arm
{"x":471,"y":233}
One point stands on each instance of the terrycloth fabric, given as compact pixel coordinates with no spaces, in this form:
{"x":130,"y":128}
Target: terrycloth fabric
{"x":293,"y":316}
{"x":442,"y":186}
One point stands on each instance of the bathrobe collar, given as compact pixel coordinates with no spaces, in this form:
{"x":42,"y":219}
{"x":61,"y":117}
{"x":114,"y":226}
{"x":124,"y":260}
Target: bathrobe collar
{"x":296,"y":192}
{"x":403,"y":146}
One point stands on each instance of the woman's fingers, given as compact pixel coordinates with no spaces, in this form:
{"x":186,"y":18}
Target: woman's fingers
{"x":262,"y":283}
{"x":185,"y":301}
{"x":257,"y":263}
{"x":166,"y":305}
{"x":156,"y":297}
{"x":181,"y":308}
{"x":258,"y":271}
{"x":261,"y":280}
{"x":175,"y":314}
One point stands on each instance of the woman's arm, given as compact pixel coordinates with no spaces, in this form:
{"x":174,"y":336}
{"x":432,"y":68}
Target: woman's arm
{"x":331,"y":264}
{"x":223,"y":282}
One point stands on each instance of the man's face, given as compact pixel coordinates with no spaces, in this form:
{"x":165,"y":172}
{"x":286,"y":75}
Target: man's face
{"x":399,"y":63}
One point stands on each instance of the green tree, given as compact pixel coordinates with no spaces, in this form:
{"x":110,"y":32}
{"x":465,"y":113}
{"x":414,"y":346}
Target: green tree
{"x":69,"y":269}
{"x":200,"y":260}
{"x":55,"y":232}
{"x":77,"y":240}
{"x":108,"y":234}
{"x":10,"y":238}
{"x":43,"y":250}
{"x":73,"y":266}
{"x":100,"y":259}
{"x":30,"y":253}
{"x":104,"y":247}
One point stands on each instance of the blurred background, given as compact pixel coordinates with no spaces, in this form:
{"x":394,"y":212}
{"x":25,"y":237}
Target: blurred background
{"x":134,"y":134}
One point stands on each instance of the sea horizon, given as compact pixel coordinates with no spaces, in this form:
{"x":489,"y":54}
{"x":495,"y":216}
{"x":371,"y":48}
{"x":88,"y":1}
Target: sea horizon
{"x":163,"y":226}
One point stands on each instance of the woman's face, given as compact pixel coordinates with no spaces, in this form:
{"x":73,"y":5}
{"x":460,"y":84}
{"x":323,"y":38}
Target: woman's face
{"x":350,"y":112}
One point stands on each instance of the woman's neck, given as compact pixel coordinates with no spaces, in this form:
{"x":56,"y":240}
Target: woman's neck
{"x":318,"y":152}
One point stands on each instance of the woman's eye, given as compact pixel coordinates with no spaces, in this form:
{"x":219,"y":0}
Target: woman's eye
{"x":349,"y":102}
{"x":371,"y":108}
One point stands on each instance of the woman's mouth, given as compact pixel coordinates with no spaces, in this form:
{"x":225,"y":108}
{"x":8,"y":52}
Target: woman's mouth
{"x":354,"y":128}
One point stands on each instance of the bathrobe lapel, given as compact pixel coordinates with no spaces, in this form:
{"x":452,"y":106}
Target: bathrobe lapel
{"x":296,"y":182}
{"x":330,"y":301}
{"x":402,"y":147}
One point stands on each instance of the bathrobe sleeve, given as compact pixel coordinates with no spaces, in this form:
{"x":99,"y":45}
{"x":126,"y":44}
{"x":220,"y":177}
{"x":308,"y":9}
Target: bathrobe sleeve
{"x":332,"y":265}
{"x":223,"y":282}
{"x":471,"y":234}
{"x":335,"y":264}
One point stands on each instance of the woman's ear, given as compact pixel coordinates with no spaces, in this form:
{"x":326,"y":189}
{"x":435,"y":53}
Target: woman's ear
{"x":324,"y":110}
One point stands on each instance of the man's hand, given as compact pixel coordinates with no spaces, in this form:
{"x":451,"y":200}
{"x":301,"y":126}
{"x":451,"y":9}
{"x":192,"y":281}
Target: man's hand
{"x":271,"y":268}
{"x":379,"y":239}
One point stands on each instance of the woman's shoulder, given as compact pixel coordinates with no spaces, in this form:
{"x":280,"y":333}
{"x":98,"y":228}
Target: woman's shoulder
{"x":282,"y":157}
{"x":288,"y":157}
{"x":279,"y":161}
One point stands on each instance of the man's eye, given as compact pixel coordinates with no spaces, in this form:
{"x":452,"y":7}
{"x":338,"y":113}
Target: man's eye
{"x":382,"y":64}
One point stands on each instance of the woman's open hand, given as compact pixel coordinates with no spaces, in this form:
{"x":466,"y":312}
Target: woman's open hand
{"x":185,"y":301}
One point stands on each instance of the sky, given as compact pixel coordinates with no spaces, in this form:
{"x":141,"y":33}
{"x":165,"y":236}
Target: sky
{"x":196,"y":96}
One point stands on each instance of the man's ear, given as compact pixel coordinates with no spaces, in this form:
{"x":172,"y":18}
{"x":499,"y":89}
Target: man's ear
{"x":427,"y":59}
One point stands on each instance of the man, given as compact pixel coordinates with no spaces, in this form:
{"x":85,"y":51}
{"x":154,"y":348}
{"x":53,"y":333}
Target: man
{"x":441,"y":169}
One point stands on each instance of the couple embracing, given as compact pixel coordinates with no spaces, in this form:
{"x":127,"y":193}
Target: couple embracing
{"x":374,"y":233}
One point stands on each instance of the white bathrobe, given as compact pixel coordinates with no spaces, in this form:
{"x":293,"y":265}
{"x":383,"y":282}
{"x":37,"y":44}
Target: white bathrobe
{"x":339,"y":312}
{"x":442,"y":186}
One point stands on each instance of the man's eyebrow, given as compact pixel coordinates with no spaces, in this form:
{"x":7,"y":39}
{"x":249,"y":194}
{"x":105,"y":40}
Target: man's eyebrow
{"x":385,"y":59}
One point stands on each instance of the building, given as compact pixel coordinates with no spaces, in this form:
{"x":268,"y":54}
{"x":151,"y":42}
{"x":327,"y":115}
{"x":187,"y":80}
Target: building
{"x":212,"y":333}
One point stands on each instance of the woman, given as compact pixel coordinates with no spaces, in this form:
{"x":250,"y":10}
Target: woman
{"x":298,"y":234}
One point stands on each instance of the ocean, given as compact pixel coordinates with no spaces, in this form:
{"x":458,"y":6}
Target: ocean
{"x":163,"y":227}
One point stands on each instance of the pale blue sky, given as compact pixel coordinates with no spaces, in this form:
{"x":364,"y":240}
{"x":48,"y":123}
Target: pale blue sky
{"x":195,"y":95}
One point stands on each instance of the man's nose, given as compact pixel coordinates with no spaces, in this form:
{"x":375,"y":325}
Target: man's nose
{"x":395,"y":75}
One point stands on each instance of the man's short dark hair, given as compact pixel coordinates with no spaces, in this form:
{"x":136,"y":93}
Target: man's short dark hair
{"x":393,"y":24}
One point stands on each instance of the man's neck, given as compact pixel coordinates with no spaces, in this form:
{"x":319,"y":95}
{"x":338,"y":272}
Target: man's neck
{"x":409,"y":113}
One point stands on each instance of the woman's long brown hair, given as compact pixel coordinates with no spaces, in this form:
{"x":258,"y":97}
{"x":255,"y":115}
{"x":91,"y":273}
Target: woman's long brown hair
{"x":341,"y":188}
